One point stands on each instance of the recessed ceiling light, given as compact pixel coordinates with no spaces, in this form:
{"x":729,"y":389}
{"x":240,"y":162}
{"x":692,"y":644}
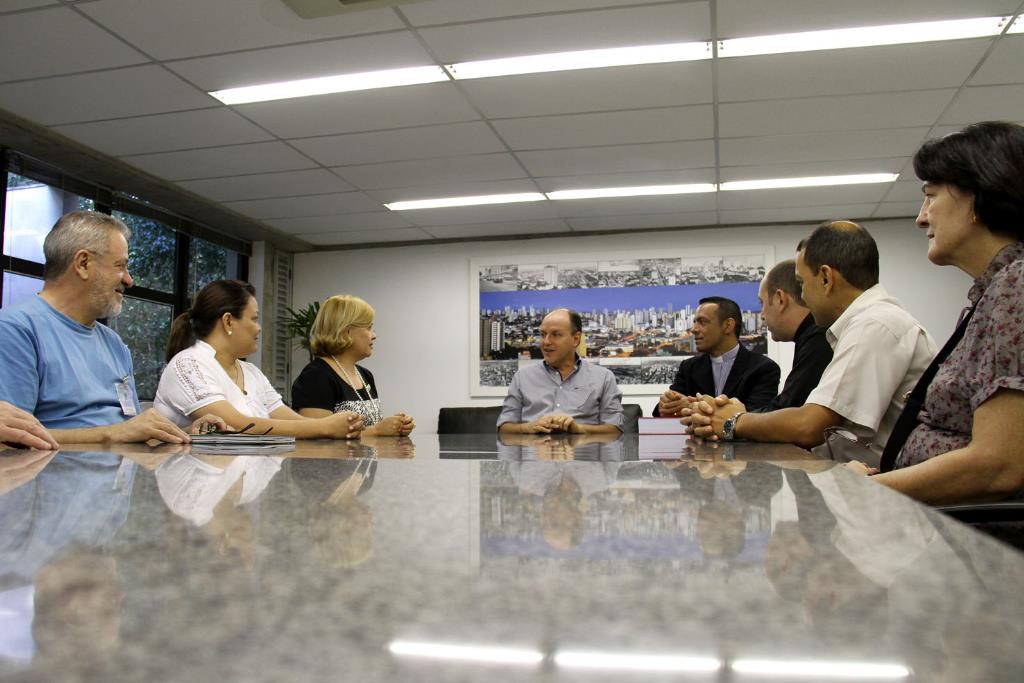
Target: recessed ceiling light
{"x":646,"y":190}
{"x":466,"y":201}
{"x":466,"y":653}
{"x":326,"y":85}
{"x":1017,"y":26}
{"x":582,"y":59}
{"x":811,"y":181}
{"x":865,"y":36}
{"x":819,"y":669}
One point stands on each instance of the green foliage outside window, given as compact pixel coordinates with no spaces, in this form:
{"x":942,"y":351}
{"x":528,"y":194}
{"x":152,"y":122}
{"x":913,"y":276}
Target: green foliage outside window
{"x":145,"y":326}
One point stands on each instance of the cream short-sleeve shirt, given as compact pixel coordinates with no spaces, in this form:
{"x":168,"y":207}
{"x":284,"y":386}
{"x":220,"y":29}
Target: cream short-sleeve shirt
{"x":194,"y":379}
{"x":879,"y":353}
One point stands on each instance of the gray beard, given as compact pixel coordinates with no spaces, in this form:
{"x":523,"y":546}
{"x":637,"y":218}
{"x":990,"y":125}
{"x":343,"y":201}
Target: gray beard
{"x":106,"y":308}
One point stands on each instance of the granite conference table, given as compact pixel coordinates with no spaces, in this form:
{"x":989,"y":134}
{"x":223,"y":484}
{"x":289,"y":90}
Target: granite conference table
{"x":462,"y":558}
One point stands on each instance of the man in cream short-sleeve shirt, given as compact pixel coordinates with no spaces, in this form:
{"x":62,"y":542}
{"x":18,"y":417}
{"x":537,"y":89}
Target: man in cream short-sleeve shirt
{"x":879,"y":351}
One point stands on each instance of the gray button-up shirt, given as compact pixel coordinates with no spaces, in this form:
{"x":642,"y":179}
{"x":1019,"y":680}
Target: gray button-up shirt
{"x":589,"y":395}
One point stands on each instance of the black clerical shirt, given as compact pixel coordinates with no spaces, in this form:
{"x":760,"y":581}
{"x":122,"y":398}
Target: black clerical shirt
{"x":811,"y":357}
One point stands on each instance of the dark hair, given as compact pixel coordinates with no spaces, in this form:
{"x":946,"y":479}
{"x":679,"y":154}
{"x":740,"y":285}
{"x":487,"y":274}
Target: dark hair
{"x":846,"y":247}
{"x":783,"y":276}
{"x":727,"y":308}
{"x":575,"y":321}
{"x":987,"y":160}
{"x":212,"y":302}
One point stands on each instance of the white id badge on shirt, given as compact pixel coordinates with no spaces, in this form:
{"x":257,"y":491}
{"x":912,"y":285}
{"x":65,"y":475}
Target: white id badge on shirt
{"x":124,"y":396}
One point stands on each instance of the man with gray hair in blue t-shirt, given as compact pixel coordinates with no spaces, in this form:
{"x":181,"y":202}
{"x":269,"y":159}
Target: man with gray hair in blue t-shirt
{"x":70,"y":371}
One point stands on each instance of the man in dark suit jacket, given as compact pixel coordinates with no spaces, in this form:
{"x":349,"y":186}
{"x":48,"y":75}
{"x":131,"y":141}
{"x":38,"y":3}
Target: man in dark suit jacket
{"x":724,"y":366}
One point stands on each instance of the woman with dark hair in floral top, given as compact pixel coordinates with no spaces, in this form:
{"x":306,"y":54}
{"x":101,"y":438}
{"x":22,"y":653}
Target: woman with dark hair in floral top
{"x":968,"y":442}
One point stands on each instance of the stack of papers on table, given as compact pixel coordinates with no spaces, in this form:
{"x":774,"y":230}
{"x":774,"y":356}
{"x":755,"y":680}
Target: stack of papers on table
{"x":244,"y":444}
{"x":659,"y":425}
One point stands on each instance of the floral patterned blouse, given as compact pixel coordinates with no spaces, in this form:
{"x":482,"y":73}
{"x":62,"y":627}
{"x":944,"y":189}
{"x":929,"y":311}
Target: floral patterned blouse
{"x":988,"y":358}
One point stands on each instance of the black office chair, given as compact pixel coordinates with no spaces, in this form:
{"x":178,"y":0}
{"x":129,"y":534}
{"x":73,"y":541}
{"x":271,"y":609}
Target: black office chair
{"x":468,"y":420}
{"x":631,"y":412}
{"x":473,"y":420}
{"x":1003,"y":520}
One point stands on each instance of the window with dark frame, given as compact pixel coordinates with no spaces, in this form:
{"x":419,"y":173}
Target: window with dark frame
{"x":171,"y":258}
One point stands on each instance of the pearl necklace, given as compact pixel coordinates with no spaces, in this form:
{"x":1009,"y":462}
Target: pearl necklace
{"x":374,"y":407}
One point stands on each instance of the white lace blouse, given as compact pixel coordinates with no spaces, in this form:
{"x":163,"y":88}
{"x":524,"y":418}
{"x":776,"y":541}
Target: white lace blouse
{"x":194,"y":379}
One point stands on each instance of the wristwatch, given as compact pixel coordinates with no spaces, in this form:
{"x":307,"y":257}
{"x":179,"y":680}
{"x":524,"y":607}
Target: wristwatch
{"x":729,"y":428}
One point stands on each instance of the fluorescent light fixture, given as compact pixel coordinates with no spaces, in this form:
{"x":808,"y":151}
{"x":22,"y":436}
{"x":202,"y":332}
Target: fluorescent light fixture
{"x":466,"y":653}
{"x":647,"y":190}
{"x":864,"y":36}
{"x":442,"y":202}
{"x":326,"y":85}
{"x":582,"y":59}
{"x":634,"y":662}
{"x":811,"y":181}
{"x":817,"y":669}
{"x":1017,"y":26}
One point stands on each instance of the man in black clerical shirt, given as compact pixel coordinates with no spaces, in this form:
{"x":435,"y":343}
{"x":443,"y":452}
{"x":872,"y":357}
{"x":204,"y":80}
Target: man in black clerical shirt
{"x":724,"y":366}
{"x":789,"y":319}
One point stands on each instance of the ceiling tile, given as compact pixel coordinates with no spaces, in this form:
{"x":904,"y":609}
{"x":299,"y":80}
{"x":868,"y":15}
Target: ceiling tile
{"x":350,"y":55}
{"x":738,"y":18}
{"x":400,"y":145}
{"x":17,"y":5}
{"x":851,"y":71}
{"x":101,"y":95}
{"x":614,"y":128}
{"x":804,"y":169}
{"x":540,"y":227}
{"x":579,"y":182}
{"x":453,"y":189}
{"x":465,"y":169}
{"x":417,"y":105}
{"x":617,"y":159}
{"x":266,"y":185}
{"x":820,"y":146}
{"x":836,"y":113}
{"x":1003,"y":64}
{"x":165,"y":132}
{"x":224,"y":25}
{"x":802,"y":197}
{"x":313,"y":205}
{"x":669,"y":23}
{"x":680,"y":203}
{"x":215,"y":162}
{"x":987,"y":103}
{"x":898,"y":210}
{"x":340,"y":223}
{"x":57,"y":41}
{"x":812,"y":215}
{"x":667,"y":220}
{"x":459,"y":11}
{"x":366,"y":236}
{"x":591,"y":90}
{"x":905,"y":191}
{"x":493,"y":213}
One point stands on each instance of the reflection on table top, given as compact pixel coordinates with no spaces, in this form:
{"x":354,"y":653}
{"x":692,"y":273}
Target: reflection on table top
{"x":466,"y":557}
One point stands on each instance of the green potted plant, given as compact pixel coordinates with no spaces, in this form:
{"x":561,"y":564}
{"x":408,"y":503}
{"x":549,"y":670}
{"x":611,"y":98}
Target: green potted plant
{"x":299,"y":324}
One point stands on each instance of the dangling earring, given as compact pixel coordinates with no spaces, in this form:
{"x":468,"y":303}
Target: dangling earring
{"x":229,"y":333}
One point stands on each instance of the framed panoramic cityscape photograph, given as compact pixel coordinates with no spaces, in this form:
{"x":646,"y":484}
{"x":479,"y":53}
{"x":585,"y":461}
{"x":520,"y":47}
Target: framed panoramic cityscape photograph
{"x":637,"y":309}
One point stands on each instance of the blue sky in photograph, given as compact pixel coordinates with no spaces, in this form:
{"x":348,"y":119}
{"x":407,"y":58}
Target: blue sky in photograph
{"x":624,"y":298}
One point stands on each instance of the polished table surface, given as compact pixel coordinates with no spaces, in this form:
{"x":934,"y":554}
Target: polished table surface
{"x":462,"y":558}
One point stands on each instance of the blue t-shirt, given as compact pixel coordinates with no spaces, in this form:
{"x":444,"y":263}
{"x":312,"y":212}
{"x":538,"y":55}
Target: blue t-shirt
{"x":63,"y":372}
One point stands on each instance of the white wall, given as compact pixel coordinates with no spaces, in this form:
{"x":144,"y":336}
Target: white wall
{"x":421,"y":295}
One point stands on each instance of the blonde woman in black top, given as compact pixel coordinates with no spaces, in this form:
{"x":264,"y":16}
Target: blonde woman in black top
{"x":342,"y":336}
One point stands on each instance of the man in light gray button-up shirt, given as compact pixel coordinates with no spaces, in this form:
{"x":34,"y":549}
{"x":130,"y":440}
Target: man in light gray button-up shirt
{"x":564,"y":393}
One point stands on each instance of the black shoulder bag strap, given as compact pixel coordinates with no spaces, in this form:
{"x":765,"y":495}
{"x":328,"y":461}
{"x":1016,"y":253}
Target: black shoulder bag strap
{"x":908,"y":418}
